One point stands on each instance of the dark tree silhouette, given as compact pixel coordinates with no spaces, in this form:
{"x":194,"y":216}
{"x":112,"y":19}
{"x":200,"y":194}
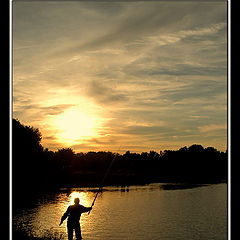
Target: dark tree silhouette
{"x":38,"y":168}
{"x":26,"y":151}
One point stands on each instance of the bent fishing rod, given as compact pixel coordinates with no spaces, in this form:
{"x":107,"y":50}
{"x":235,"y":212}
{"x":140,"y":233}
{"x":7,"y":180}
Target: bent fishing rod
{"x":105,"y":176}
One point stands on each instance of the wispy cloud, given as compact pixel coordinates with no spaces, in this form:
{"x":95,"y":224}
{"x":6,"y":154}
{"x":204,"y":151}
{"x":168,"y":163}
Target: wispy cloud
{"x":212,"y":127}
{"x":155,"y":71}
{"x":105,"y":93}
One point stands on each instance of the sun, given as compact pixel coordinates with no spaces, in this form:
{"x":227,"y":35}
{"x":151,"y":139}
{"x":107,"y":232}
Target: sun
{"x":75,"y":125}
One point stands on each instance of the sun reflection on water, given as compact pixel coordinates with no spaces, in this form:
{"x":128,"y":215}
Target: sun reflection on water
{"x":83,"y":196}
{"x":86,"y":199}
{"x":46,"y":217}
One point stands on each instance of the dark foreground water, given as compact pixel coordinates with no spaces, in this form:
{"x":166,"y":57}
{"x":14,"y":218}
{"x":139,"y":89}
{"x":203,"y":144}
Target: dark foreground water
{"x":149,"y":212}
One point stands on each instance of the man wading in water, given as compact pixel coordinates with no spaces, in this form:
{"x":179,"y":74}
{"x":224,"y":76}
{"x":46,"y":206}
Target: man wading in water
{"x":74,"y":213}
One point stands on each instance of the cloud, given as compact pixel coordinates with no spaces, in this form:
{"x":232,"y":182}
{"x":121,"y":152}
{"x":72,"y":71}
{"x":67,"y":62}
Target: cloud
{"x":55,"y":109}
{"x":172,"y":55}
{"x":105,"y":94}
{"x":212,"y":127}
{"x":49,"y":138}
{"x":129,"y":21}
{"x":176,"y":70}
{"x":206,"y":90}
{"x":157,"y":70}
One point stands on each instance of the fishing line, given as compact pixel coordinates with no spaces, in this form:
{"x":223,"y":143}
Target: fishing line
{"x":105,"y":176}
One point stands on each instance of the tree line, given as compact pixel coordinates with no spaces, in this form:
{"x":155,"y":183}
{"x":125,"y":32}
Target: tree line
{"x":36,"y":167}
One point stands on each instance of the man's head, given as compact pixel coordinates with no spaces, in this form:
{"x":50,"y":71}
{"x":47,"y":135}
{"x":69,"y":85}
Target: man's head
{"x":76,"y":200}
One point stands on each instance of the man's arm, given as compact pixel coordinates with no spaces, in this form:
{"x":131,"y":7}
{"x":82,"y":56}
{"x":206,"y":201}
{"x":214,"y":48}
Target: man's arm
{"x":86,"y":209}
{"x":64,"y":216}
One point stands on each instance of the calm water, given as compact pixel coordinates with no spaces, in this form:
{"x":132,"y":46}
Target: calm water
{"x":151,"y":212}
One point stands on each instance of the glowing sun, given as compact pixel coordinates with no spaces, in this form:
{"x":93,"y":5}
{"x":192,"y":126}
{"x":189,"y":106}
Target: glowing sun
{"x":75,"y":125}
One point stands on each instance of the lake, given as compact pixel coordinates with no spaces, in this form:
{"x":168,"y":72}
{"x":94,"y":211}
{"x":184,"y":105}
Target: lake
{"x":149,"y":212}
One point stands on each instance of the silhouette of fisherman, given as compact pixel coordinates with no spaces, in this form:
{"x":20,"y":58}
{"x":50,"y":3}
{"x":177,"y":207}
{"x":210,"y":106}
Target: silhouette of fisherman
{"x":74,"y":213}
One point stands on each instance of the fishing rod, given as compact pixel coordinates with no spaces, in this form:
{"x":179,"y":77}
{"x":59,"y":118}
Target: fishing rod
{"x":101,"y":184}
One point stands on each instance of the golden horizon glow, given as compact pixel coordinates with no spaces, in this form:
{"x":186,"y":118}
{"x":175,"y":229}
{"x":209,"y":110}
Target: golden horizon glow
{"x":75,"y":123}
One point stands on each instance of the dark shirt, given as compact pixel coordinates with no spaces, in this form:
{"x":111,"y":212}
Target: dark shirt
{"x":74,"y":213}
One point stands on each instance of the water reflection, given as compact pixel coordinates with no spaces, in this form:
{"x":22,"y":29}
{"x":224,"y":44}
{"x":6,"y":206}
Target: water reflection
{"x":84,"y":197}
{"x":46,"y":214}
{"x":156,"y":211}
{"x":85,"y":200}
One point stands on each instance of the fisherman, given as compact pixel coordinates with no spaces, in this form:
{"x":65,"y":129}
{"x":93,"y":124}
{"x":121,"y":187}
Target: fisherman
{"x":74,"y":213}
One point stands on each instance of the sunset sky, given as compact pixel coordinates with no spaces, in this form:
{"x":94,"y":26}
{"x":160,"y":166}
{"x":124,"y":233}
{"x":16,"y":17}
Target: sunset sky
{"x":139,"y":76}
